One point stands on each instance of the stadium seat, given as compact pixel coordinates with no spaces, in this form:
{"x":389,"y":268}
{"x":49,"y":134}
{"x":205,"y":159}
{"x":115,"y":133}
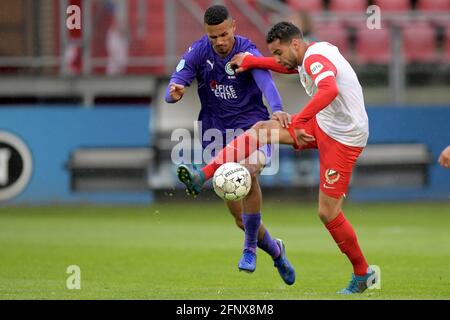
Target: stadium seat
{"x":419,"y":43}
{"x":348,"y":5}
{"x":446,"y":49}
{"x":305,"y":5}
{"x":335,"y":33}
{"x":203,"y":4}
{"x":149,"y":43}
{"x":393,"y":5}
{"x":433,"y":5}
{"x":373,"y":46}
{"x":347,"y":10}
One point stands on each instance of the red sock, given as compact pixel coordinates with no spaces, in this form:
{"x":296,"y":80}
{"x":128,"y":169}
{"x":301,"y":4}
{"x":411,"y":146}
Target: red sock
{"x":237,"y":150}
{"x":342,"y":232}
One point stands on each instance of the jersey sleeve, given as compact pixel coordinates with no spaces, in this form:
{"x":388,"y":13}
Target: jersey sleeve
{"x":254,"y":62}
{"x":319,"y":67}
{"x":186,"y":70}
{"x":323,"y":72}
{"x":265,"y":83}
{"x":253,"y":51}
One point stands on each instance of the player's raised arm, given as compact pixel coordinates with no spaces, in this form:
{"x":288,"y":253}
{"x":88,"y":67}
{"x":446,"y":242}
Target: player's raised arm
{"x":243,"y":62}
{"x":184,"y":74}
{"x":265,"y":83}
{"x":323,"y":72}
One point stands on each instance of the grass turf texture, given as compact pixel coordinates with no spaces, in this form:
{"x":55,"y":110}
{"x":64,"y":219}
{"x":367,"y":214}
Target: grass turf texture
{"x":191,"y":251}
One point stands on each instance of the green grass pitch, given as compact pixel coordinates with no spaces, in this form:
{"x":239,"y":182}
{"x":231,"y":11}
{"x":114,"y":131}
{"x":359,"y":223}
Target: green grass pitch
{"x":191,"y":251}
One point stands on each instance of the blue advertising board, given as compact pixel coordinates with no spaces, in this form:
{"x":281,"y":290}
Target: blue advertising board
{"x":52,"y":134}
{"x":38,"y":142}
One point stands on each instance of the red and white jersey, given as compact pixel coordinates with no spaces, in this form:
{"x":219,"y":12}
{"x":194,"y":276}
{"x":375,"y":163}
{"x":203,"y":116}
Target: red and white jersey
{"x":345,"y":119}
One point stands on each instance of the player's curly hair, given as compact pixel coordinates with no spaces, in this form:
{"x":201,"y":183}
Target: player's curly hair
{"x":215,"y":15}
{"x":284,"y":31}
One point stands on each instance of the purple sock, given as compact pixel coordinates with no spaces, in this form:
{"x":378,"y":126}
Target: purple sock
{"x":251,"y":226}
{"x":269,"y":245}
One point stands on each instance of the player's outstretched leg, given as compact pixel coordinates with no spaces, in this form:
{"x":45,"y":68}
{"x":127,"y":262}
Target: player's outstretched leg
{"x":193,"y":179}
{"x":244,"y":145}
{"x":285,"y":269}
{"x":358,"y":284}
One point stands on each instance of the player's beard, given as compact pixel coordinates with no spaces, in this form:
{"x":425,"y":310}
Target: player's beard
{"x":292,"y":62}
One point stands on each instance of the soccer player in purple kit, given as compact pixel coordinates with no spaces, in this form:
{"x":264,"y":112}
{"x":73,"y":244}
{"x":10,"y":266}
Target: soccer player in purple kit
{"x":230,"y":101}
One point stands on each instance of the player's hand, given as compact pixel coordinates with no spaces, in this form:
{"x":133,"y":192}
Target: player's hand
{"x":284,"y":118}
{"x":236,"y":62}
{"x":176,"y":91}
{"x":304,"y":138}
{"x":444,"y":158}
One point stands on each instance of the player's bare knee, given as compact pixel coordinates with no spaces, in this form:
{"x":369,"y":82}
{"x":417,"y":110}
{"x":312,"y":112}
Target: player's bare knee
{"x":253,"y":169}
{"x":325,"y":215}
{"x":254,"y":174}
{"x":255,"y":179}
{"x":259,"y":125}
{"x":261,"y":129}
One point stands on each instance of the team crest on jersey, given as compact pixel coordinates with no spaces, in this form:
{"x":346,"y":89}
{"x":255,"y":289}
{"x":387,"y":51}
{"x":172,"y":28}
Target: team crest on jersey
{"x":331,"y":176}
{"x":229,"y":70}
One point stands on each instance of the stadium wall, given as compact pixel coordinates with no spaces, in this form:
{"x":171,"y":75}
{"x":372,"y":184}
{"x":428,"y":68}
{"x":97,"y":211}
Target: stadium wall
{"x":53,"y":134}
{"x":411,"y":124}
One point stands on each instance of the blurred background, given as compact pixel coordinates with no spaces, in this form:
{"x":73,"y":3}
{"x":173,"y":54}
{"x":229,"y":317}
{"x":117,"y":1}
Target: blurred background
{"x":83,"y":117}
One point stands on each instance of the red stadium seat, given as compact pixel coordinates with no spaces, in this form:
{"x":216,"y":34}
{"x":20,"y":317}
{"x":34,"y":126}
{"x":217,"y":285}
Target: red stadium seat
{"x":446,"y":52}
{"x":393,"y":5}
{"x":348,"y":5}
{"x":373,"y":46}
{"x":419,"y":43}
{"x":305,"y":5}
{"x":433,"y":5}
{"x":334,"y":33}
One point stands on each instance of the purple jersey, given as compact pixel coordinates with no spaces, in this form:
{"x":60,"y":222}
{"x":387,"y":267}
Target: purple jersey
{"x":228,"y":100}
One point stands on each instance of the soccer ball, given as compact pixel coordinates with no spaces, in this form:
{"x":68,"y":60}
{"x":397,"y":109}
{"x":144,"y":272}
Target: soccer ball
{"x":232,"y":181}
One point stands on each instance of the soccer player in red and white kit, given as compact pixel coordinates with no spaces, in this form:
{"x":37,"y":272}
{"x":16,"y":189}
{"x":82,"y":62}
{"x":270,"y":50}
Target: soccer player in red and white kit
{"x":334,"y":121}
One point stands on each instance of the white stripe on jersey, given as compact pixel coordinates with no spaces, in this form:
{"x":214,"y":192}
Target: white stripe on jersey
{"x":323,"y":75}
